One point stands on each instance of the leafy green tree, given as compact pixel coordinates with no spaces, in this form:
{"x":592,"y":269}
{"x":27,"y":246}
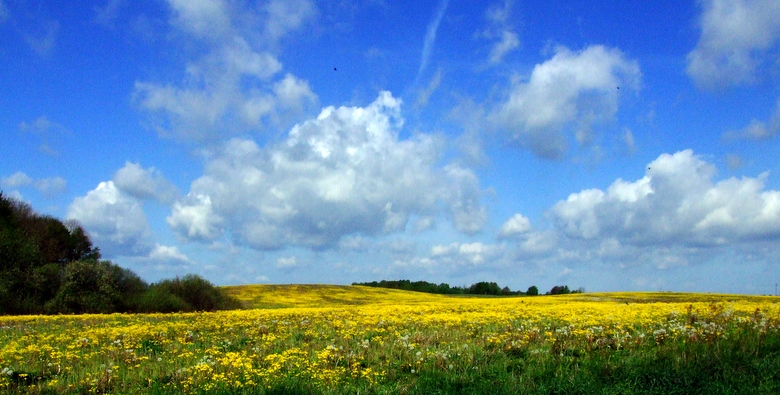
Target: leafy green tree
{"x":532,"y":291}
{"x":484,"y":288}
{"x":559,"y":290}
{"x":87,"y":287}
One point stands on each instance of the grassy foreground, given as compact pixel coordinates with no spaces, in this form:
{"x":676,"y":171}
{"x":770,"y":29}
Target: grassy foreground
{"x":359,"y":340}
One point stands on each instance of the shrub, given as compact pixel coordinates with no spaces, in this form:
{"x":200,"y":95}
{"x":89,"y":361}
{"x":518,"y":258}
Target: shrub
{"x":198,"y":293}
{"x":159,"y":299}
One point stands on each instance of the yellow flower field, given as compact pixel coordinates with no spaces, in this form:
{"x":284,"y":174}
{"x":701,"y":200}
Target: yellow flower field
{"x":363,"y":339}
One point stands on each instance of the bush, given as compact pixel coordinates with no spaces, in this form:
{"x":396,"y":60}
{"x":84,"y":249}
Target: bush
{"x":159,"y":299}
{"x":198,"y":293}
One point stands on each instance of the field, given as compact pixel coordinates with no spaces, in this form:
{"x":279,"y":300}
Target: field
{"x":360,"y":340}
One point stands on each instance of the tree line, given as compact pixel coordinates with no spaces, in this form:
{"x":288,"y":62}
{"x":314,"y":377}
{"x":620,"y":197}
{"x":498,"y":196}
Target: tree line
{"x":49,"y":267}
{"x":480,"y":288}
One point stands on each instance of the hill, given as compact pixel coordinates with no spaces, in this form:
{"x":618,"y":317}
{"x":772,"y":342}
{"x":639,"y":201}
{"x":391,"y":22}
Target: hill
{"x":263,"y":296}
{"x":266,"y":296}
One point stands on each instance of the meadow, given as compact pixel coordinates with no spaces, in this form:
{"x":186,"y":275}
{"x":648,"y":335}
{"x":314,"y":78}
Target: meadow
{"x":357,"y":340}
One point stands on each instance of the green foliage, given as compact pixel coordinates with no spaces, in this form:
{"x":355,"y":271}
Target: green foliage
{"x":559,"y":290}
{"x":197,"y":293}
{"x":158,"y":299}
{"x":47,"y":266}
{"x":480,"y":288}
{"x":87,"y":287}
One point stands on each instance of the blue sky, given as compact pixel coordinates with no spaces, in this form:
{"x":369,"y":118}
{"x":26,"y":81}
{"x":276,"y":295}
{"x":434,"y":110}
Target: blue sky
{"x":616,"y":146}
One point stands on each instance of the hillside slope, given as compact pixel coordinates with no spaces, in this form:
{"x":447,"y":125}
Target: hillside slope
{"x":263,"y":296}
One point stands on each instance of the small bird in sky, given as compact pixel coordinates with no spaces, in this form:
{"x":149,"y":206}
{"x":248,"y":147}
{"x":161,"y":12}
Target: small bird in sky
{"x":334,"y":69}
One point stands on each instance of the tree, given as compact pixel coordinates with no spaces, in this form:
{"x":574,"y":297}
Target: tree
{"x":559,"y":290}
{"x":532,"y":291}
{"x":87,"y":287}
{"x":484,"y":288}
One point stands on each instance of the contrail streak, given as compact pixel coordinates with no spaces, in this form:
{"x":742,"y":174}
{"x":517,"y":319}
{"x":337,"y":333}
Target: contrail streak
{"x":430,"y":37}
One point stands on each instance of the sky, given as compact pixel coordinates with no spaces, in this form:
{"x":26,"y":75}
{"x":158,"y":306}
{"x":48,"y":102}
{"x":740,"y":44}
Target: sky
{"x":613,"y":146}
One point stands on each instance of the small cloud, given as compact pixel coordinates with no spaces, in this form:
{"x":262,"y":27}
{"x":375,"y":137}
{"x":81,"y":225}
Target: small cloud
{"x":500,"y":30}
{"x":145,"y":183}
{"x":628,"y":140}
{"x":508,"y":43}
{"x":43,"y":42}
{"x":430,"y":37}
{"x":375,"y":53}
{"x":16,"y":180}
{"x":48,"y":187}
{"x":425,"y":94}
{"x":758,"y":130}
{"x":285,"y":16}
{"x":734,"y":161}
{"x":516,"y":226}
{"x":107,"y":14}
{"x":286,"y":263}
{"x":47,"y":130}
{"x":167,"y":254}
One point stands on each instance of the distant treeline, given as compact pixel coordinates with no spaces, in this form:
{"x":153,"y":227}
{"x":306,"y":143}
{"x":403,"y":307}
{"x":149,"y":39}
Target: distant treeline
{"x":480,"y":288}
{"x":48,"y":267}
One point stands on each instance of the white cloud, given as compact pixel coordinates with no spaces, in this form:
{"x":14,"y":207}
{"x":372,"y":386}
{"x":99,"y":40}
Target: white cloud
{"x":465,"y":254}
{"x":284,"y":16}
{"x":202,"y":18}
{"x":507,"y":43}
{"x":573,"y":90}
{"x":194,"y":218}
{"x":516,"y":226}
{"x":286,"y":263}
{"x":629,"y":141}
{"x":293,"y":92}
{"x":502,"y":31}
{"x":232,"y":89}
{"x":425,"y":94}
{"x":345,"y":172}
{"x":758,"y":130}
{"x":46,"y":186}
{"x":116,"y":222}
{"x":735,"y":37}
{"x":16,"y":180}
{"x":161,"y":253}
{"x":430,"y":36}
{"x":675,"y":203}
{"x":143,"y":183}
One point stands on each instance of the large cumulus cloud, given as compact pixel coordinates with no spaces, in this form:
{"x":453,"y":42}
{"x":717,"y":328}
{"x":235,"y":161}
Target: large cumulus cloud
{"x":345,"y":172}
{"x":675,"y":203}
